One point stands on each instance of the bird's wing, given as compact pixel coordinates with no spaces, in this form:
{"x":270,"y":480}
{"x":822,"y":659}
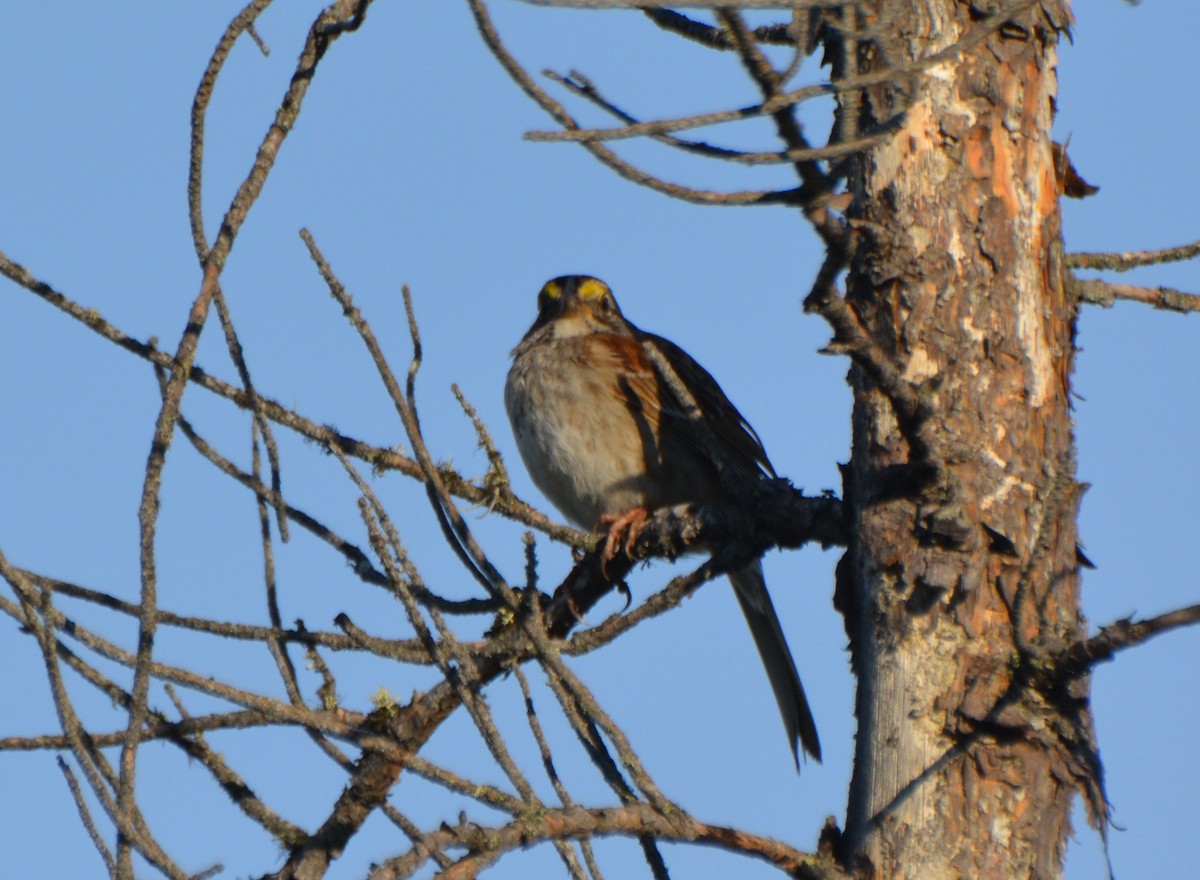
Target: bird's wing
{"x":730,"y":427}
{"x":640,"y":380}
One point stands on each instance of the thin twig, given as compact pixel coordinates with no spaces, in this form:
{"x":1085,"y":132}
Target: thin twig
{"x":261,"y":423}
{"x":461,"y":674}
{"x":488,"y":795}
{"x":574,"y":134}
{"x":455,"y":528}
{"x":85,"y":816}
{"x":547,"y":756}
{"x":161,"y":729}
{"x":458,"y":534}
{"x":481,"y":714}
{"x":496,"y":477}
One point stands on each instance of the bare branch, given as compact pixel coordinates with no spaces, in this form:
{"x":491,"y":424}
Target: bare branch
{"x":1125,"y":634}
{"x":462,"y":673}
{"x":410,"y":727}
{"x":634,"y":820}
{"x":455,"y":528}
{"x":814,"y":182}
{"x":701,"y":197}
{"x":160,"y":729}
{"x":573,"y":692}
{"x":262,"y":426}
{"x":497,"y":474}
{"x":1106,"y":293}
{"x":664,"y":600}
{"x":323,"y":32}
{"x":404,"y":650}
{"x":782,"y":99}
{"x":451,"y":781}
{"x":1126,"y":260}
{"x":243,"y":22}
{"x":585,"y":88}
{"x":498,"y":498}
{"x":852,"y":339}
{"x":699,"y":4}
{"x":712,"y":37}
{"x":37,"y":613}
{"x":342,"y":723}
{"x":85,"y":816}
{"x":574,"y":134}
{"x":354,"y":555}
{"x":597,"y":749}
{"x":560,"y":789}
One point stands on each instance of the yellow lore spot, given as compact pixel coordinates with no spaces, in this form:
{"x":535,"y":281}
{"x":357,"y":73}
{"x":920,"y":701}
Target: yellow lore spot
{"x":592,"y":288}
{"x":552,"y":290}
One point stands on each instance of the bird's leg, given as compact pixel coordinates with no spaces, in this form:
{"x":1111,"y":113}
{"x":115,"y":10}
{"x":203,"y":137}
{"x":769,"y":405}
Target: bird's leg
{"x":623,"y":531}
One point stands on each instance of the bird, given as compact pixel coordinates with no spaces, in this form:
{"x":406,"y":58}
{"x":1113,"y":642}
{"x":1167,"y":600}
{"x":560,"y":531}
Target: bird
{"x":604,"y":439}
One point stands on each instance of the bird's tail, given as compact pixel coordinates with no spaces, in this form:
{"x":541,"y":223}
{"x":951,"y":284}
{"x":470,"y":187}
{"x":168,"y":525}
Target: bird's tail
{"x":751,"y":590}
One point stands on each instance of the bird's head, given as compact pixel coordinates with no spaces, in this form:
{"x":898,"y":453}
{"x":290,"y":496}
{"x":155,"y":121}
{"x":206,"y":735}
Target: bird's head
{"x":578,"y":304}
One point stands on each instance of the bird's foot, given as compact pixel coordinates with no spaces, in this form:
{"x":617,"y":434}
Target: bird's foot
{"x":623,"y":532}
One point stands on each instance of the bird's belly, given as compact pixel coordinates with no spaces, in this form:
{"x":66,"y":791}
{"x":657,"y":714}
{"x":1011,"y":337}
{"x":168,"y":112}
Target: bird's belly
{"x":582,"y":447}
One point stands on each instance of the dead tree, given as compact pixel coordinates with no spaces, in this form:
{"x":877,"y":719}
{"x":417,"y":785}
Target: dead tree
{"x":945,"y":285}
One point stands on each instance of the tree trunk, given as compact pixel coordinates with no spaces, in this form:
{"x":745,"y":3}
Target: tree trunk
{"x":962,"y":570}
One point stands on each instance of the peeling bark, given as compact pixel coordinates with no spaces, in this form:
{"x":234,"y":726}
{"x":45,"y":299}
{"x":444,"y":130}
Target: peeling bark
{"x":962,"y":569}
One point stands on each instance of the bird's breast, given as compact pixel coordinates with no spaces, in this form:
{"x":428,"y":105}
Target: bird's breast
{"x":583,"y":446}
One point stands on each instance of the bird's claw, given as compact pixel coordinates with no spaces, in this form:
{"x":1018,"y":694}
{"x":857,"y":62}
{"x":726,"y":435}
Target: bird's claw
{"x":623,"y":531}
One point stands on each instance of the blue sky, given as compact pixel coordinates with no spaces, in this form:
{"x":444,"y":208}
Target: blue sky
{"x":409,"y":168}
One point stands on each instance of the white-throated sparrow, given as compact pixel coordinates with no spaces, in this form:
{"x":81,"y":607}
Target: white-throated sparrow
{"x":603,"y":438}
